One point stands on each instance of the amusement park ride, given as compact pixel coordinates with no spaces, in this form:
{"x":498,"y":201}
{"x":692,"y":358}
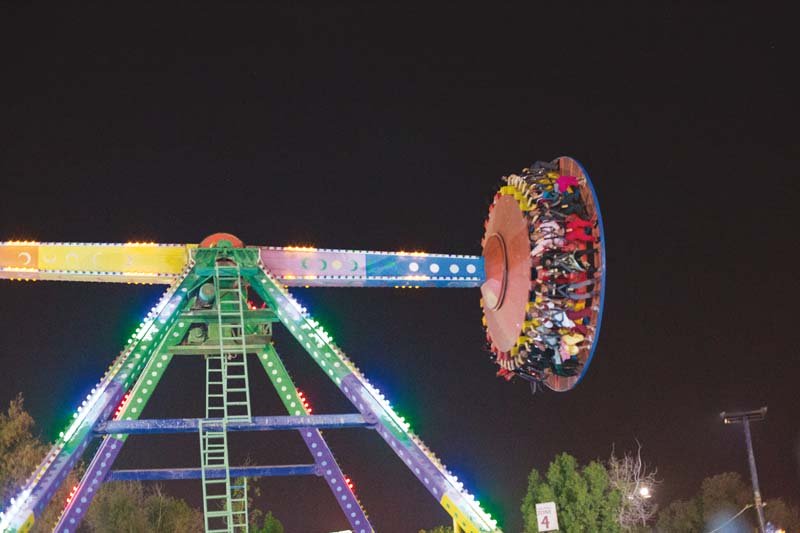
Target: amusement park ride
{"x":541,"y":276}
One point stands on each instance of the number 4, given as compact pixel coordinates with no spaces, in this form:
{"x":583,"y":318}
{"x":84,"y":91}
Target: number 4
{"x":545,"y":521}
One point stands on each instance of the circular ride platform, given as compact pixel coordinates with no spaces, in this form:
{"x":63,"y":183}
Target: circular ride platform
{"x":544,"y":257}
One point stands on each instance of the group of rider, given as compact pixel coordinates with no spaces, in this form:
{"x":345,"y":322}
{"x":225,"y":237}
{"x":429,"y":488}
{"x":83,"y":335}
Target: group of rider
{"x":563,"y":257}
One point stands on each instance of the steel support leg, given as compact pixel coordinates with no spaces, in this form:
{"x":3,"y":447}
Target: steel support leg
{"x":316,"y":444}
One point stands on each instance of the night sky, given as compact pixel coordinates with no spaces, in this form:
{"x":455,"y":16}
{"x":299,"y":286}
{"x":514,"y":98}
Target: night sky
{"x":373,"y":128}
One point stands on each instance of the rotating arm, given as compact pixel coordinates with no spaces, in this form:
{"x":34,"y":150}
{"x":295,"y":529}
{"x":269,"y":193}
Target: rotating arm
{"x":312,"y":267}
{"x":116,"y":263}
{"x":292,"y":266}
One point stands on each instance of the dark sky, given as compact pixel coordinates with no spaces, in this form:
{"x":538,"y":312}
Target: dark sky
{"x":374,"y":128}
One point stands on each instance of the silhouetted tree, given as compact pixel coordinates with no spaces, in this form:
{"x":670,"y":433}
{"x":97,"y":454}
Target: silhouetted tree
{"x":629,"y":475}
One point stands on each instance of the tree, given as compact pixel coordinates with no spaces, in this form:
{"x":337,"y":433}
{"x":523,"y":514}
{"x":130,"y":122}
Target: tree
{"x":716,"y":504}
{"x":719,"y":499}
{"x":584,"y":498}
{"x":681,"y":516}
{"x":270,"y":525}
{"x":781,"y":515}
{"x":633,"y":480}
{"x":123,"y":507}
{"x":722,"y":496}
{"x":129,"y":507}
{"x":20,"y":453}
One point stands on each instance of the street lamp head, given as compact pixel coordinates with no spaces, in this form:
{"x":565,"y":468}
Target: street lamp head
{"x":738,"y":417}
{"x":644,"y":492}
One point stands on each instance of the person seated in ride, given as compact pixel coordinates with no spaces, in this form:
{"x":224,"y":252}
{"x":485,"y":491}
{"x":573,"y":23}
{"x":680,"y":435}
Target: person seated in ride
{"x":544,"y":166}
{"x":554,"y":277}
{"x":554,"y":292}
{"x":552,"y":312}
{"x":564,"y":183}
{"x":578,"y":229}
{"x":572,"y":203}
{"x":575,"y":277}
{"x":569,"y":344}
{"x":576,"y":290}
{"x":582,"y":314}
{"x":546,"y":199}
{"x":573,"y":291}
{"x":548,"y":228}
{"x":550,"y":243}
{"x":505,"y":373}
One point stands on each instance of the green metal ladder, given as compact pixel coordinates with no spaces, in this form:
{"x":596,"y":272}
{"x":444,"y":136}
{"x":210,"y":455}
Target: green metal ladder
{"x":227,"y":399}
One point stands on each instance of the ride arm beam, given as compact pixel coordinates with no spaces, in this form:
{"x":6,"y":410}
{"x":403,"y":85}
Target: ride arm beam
{"x":443,"y":485}
{"x":115,"y":263}
{"x":312,"y":267}
{"x":151,"y":263}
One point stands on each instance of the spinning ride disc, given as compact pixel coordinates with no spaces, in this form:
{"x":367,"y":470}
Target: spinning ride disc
{"x":544,"y":255}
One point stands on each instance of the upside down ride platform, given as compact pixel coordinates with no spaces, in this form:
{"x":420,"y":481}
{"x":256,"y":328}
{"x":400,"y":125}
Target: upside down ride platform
{"x":542,"y":290}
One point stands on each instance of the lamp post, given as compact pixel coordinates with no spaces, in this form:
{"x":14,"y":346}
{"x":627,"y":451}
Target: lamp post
{"x":744,"y":418}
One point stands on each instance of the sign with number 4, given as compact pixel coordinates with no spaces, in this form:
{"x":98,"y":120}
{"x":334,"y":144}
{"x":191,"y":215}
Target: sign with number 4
{"x":546,"y":516}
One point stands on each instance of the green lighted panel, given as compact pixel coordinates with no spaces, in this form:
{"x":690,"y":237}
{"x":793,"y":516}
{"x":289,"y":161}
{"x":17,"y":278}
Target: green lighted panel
{"x":280,"y":379}
{"x":153,"y":372}
{"x":289,"y":395}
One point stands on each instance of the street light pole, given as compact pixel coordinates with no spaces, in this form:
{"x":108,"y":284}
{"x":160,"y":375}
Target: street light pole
{"x":745,"y":418}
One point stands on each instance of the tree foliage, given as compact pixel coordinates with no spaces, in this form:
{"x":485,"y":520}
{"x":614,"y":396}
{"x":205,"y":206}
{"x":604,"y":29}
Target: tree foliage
{"x":780,"y":514}
{"x":584,"y":498}
{"x":438,"y":529}
{"x":21,"y":451}
{"x":118,"y":507}
{"x":720,"y":497}
{"x":130,"y":507}
{"x":270,"y":524}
